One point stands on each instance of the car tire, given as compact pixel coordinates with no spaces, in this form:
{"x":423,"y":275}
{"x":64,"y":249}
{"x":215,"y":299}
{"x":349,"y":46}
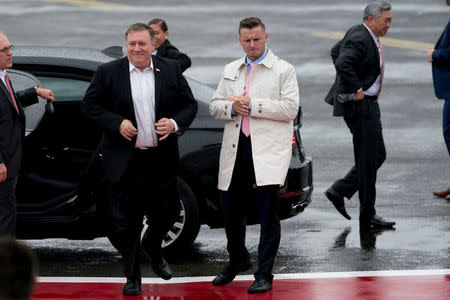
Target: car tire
{"x":184,"y":231}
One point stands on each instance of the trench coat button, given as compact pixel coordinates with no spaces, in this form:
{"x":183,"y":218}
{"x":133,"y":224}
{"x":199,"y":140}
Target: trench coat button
{"x":234,"y":146}
{"x":260,"y":111}
{"x":235,"y":77}
{"x":225,"y":113}
{"x":237,"y":125}
{"x":260,"y":104}
{"x":226,"y":106}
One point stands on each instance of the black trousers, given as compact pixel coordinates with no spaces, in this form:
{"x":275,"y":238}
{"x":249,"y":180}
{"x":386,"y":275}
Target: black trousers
{"x":364,"y":123}
{"x":8,"y":211}
{"x":234,"y":203}
{"x":146,"y":188}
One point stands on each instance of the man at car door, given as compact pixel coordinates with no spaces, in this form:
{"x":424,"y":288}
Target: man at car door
{"x":258,"y":98}
{"x":142,"y":103}
{"x":12,"y":133}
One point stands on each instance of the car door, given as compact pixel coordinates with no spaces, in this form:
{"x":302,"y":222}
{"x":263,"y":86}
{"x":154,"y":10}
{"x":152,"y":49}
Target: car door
{"x":34,"y":113}
{"x":57,"y":147}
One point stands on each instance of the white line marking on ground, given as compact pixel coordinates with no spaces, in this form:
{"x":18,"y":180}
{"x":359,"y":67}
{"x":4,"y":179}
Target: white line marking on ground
{"x":387,"y":273}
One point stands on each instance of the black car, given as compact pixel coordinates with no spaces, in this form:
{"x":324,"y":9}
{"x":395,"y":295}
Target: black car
{"x":61,"y":190}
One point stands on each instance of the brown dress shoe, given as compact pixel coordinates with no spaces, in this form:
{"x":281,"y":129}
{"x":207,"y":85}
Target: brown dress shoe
{"x":443,"y":193}
{"x":448,"y":197}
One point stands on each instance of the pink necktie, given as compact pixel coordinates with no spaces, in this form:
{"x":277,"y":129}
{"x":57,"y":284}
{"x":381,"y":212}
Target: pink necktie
{"x":8,"y":84}
{"x":246,"y":119}
{"x":380,"y":47}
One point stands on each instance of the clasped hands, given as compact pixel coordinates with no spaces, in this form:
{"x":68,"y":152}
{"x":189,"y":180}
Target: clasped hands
{"x":164,"y":127}
{"x":240,"y":103}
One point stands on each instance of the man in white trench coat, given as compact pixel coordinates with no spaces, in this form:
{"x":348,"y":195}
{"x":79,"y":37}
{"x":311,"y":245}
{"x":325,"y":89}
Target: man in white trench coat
{"x":258,"y":98}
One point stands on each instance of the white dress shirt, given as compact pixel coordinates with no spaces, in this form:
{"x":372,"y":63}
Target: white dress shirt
{"x":373,"y":90}
{"x":143,"y":95}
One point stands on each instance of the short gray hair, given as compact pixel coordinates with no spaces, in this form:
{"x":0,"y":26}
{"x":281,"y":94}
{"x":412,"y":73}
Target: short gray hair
{"x":375,"y":8}
{"x":141,"y":27}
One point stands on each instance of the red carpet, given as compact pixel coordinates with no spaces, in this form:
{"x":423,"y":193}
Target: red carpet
{"x":348,"y":287}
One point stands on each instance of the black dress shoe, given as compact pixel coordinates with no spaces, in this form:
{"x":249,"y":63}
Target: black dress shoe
{"x":132,"y":287}
{"x":227,"y":275}
{"x":159,"y":266}
{"x":376,"y":222}
{"x":162,"y":269}
{"x":260,"y":286}
{"x":338,"y":202}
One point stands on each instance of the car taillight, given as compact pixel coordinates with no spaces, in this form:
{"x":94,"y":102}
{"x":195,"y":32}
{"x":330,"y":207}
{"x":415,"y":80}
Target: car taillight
{"x":293,"y":141}
{"x":291,"y":193}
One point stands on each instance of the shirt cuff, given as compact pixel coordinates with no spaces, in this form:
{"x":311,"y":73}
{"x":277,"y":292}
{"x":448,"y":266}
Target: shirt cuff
{"x":175,"y":125}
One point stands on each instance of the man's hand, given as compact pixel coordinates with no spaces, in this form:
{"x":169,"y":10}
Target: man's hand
{"x":359,"y":95}
{"x":430,"y":54}
{"x":3,"y":173}
{"x":127,"y":129}
{"x":46,"y":94}
{"x":242,"y":98}
{"x":164,"y":127}
{"x":240,"y":103}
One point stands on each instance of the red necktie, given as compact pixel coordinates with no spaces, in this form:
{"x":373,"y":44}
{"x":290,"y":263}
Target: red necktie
{"x":8,"y":85}
{"x":380,"y":48}
{"x":246,"y":119}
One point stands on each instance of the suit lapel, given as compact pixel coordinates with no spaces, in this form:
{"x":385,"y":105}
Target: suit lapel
{"x":124,"y":78}
{"x":158,"y":82}
{"x":8,"y":95}
{"x":372,"y":42}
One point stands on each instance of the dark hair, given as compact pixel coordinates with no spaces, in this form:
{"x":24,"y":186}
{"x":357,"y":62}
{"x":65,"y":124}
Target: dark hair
{"x":140,"y":27}
{"x":160,"y":22}
{"x":18,"y":268}
{"x":250,"y":23}
{"x":375,"y":8}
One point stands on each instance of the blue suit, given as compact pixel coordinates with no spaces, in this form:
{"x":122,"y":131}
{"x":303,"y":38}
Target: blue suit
{"x":441,"y":79}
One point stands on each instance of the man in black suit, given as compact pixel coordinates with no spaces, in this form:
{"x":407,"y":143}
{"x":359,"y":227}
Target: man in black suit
{"x":142,"y":103}
{"x":439,"y":57}
{"x":12,"y":133}
{"x":164,"y":48}
{"x":359,"y":63}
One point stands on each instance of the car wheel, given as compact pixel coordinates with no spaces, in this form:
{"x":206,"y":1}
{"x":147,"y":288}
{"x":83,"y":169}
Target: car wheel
{"x":185,"y":229}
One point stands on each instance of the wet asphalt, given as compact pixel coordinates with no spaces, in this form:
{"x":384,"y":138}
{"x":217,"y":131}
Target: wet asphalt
{"x":319,"y":239}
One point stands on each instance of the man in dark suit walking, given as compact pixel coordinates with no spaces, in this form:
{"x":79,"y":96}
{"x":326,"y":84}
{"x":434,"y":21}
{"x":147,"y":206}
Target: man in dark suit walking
{"x":143,"y":103}
{"x":359,"y":63}
{"x":440,"y":59}
{"x":12,"y":133}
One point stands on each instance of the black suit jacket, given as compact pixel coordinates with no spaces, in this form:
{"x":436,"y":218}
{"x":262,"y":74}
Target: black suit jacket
{"x":12,"y":127}
{"x":357,"y":62}
{"x":441,"y":65}
{"x":168,"y":50}
{"x":108,"y":101}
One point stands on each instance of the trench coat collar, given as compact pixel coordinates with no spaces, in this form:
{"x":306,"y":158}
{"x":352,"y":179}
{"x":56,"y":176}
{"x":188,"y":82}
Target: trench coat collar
{"x":268,"y":61}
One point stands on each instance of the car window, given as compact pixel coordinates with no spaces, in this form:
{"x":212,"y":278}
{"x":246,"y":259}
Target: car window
{"x":65,"y":89}
{"x":34,"y":113}
{"x":203,"y":94}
